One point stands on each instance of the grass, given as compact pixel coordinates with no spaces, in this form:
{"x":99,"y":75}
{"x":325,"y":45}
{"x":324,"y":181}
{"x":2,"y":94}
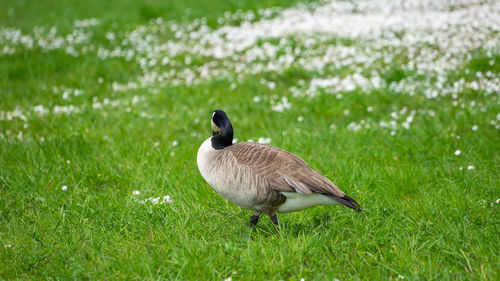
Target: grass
{"x":426,"y":215}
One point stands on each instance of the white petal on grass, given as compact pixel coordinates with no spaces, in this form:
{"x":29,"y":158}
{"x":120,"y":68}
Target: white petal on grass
{"x":136,"y":192}
{"x":457,"y":152}
{"x":175,"y":143}
{"x":281,"y":105}
{"x":474,"y":127}
{"x":264,"y":140}
{"x":64,"y":188}
{"x":167,"y":199}
{"x":470,"y":167}
{"x":300,"y":118}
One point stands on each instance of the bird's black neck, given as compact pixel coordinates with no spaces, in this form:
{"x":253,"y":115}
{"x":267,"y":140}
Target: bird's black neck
{"x":225,"y":138}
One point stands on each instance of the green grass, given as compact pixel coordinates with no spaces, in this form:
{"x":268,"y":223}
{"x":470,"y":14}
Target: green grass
{"x":426,"y":216}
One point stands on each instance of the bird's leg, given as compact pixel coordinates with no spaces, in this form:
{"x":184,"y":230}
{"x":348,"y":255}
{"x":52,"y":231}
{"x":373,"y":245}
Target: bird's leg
{"x":254,"y":219}
{"x":274,"y":220}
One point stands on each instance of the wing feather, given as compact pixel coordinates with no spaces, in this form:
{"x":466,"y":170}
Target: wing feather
{"x":282,"y":170}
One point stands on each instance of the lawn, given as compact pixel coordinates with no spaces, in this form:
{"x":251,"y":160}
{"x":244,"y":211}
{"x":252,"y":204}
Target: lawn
{"x":103,"y":105}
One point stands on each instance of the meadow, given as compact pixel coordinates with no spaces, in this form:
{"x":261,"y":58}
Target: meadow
{"x":103,"y":105}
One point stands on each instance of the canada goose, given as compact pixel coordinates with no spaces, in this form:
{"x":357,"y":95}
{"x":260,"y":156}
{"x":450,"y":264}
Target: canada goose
{"x":261,"y":177}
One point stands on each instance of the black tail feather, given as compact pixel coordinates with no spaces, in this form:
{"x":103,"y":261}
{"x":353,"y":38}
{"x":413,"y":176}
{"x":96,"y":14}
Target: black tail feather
{"x":348,"y":202}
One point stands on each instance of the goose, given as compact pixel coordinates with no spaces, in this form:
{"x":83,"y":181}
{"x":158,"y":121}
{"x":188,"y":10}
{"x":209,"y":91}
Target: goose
{"x":263,"y":178}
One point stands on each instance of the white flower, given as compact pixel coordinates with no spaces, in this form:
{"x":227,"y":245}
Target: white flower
{"x":393,"y":133}
{"x":136,"y":192}
{"x":64,"y":188}
{"x":401,"y":276}
{"x":7,"y":246}
{"x":264,"y":140}
{"x":228,"y":279}
{"x":281,"y":105}
{"x":300,"y":118}
{"x":369,"y":109}
{"x":457,"y":152}
{"x":470,"y":167}
{"x":175,"y":143}
{"x":166,"y":199}
{"x":497,"y":201}
{"x":256,"y":99}
{"x":474,"y":127}
{"x":346,"y":112}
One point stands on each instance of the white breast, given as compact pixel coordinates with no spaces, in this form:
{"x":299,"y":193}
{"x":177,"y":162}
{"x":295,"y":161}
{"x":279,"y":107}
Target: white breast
{"x":222,"y":177}
{"x":203,"y":157}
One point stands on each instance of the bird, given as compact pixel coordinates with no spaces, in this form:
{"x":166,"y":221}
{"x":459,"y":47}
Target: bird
{"x":263,"y":178}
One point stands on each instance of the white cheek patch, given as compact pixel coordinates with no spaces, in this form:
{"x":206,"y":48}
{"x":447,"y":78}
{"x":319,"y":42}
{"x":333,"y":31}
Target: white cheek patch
{"x":213,"y":114}
{"x":214,"y":127}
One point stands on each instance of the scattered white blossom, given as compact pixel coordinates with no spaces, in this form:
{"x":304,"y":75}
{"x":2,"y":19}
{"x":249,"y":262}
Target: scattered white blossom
{"x":281,"y":105}
{"x":457,"y":152}
{"x":166,"y":199}
{"x":263,"y":140}
{"x":64,"y":188}
{"x":157,"y":200}
{"x":278,"y":39}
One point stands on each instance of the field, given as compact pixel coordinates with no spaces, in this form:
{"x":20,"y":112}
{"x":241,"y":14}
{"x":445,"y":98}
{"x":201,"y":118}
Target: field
{"x":103,"y":105}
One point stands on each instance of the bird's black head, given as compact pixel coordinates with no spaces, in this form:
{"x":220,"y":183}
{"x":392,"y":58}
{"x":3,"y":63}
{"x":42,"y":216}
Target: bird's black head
{"x":222,"y":130}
